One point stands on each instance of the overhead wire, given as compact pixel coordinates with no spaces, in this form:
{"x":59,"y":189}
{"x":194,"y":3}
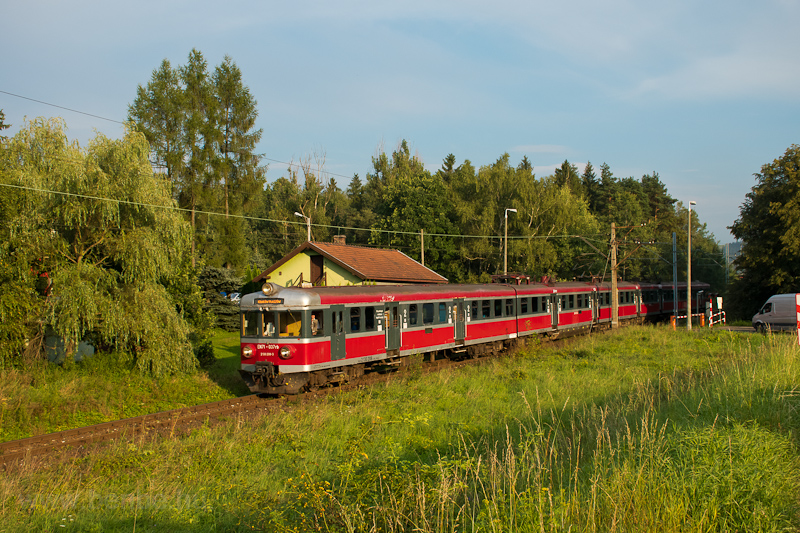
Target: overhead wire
{"x":281,"y":221}
{"x":296,"y":165}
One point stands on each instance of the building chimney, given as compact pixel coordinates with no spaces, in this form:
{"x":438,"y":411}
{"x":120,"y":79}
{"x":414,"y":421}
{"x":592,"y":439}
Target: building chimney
{"x":338,"y":239}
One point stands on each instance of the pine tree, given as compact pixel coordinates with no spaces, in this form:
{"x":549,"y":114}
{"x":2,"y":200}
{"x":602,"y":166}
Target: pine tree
{"x":201,"y":129}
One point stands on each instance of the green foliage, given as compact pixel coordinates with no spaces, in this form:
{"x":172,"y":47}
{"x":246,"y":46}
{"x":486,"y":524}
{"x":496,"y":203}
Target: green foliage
{"x":768,"y":221}
{"x":110,"y":242}
{"x":413,"y":200}
{"x":214,"y":282}
{"x":3,"y":125}
{"x":201,"y":128}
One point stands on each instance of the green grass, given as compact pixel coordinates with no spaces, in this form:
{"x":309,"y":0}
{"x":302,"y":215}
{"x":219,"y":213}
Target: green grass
{"x":643,"y":430}
{"x":44,"y":398}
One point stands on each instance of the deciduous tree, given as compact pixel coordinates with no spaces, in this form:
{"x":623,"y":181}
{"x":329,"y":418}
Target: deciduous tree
{"x":769,"y":228}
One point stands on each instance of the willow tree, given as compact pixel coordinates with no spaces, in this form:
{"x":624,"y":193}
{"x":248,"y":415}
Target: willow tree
{"x":107,"y":234}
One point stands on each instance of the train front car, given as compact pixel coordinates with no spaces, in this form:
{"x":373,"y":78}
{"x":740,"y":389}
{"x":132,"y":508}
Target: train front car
{"x":281,"y":329}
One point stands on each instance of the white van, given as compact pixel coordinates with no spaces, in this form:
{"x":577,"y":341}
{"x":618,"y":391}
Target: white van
{"x":778,"y":314}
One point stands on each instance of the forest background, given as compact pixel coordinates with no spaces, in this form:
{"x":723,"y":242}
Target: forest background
{"x":127,"y":243}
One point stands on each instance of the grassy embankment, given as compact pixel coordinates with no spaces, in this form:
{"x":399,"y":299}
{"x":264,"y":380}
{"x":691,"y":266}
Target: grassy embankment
{"x":45,"y":398}
{"x":643,"y":430}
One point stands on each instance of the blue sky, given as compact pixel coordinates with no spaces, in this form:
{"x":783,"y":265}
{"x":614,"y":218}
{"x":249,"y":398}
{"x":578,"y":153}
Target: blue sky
{"x":703,"y":93}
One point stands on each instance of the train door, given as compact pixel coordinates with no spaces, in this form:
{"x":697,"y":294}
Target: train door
{"x":337,"y":332}
{"x":554,"y":306}
{"x":392,"y":322}
{"x":461,"y":321}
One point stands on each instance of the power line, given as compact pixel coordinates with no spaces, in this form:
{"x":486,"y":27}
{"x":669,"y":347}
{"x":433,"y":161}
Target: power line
{"x":263,"y":219}
{"x":297,"y":165}
{"x":61,"y":107}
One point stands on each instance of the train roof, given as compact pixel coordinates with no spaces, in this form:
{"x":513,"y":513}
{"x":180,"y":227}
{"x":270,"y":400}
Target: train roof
{"x":355,"y":294}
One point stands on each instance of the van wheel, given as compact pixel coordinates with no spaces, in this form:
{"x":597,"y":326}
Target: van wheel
{"x":761,"y":328}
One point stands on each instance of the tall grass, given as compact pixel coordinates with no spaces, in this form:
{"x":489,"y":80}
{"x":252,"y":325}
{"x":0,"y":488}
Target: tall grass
{"x":44,"y":397}
{"x":643,"y":430}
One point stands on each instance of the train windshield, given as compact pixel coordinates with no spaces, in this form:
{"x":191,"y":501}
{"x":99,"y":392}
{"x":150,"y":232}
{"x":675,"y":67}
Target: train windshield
{"x":276,"y":324}
{"x":250,"y":323}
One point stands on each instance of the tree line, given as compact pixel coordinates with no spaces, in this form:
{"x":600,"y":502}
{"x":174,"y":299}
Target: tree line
{"x":109,"y":242}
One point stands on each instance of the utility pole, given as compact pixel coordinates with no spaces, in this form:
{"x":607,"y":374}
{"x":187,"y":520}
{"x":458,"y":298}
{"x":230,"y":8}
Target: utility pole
{"x":675,"y":275}
{"x":505,"y":241}
{"x":308,"y":223}
{"x":614,"y":293}
{"x":422,"y":246}
{"x":689,"y":271}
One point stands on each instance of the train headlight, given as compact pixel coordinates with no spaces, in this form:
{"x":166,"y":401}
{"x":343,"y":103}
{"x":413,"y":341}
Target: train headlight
{"x":286,"y":352}
{"x":269,"y":289}
{"x":247,"y":351}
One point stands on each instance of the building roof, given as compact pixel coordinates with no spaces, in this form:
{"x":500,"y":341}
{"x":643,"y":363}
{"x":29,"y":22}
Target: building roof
{"x":369,"y":264}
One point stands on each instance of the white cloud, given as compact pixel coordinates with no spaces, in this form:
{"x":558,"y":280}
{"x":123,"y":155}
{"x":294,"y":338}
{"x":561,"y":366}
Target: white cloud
{"x":736,"y":75}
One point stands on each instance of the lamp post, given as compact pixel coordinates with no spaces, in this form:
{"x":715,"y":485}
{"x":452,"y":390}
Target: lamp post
{"x":689,"y":271}
{"x":505,"y":245}
{"x":308,"y":223}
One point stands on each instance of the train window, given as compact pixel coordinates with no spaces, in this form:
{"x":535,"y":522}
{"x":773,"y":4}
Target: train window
{"x":442,"y":313}
{"x":486,"y":309}
{"x":316,"y":324}
{"x":289,"y":324}
{"x":571,"y":301}
{"x":412,"y":315}
{"x":523,"y":306}
{"x":250,"y":323}
{"x":268,"y":328}
{"x":580,"y":301}
{"x":509,"y":307}
{"x":427,"y":314}
{"x":355,"y":318}
{"x":498,"y":308}
{"x":474,"y":310}
{"x":535,"y":304}
{"x":369,"y":319}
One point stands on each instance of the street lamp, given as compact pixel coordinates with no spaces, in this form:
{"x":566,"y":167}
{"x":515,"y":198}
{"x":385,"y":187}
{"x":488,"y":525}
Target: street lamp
{"x":308,"y":223}
{"x":689,"y":271}
{"x":505,"y":245}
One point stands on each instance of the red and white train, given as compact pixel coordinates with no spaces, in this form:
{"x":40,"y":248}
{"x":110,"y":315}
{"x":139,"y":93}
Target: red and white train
{"x":295,"y":338}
